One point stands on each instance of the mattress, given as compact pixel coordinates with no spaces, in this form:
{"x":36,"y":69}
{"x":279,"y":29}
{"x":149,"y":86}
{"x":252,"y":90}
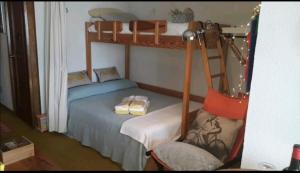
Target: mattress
{"x":92,"y":121}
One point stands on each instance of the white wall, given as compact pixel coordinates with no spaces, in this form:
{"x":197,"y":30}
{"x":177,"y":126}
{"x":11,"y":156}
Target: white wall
{"x":5,"y":82}
{"x":164,"y":64}
{"x":103,"y":56}
{"x":273,"y":123}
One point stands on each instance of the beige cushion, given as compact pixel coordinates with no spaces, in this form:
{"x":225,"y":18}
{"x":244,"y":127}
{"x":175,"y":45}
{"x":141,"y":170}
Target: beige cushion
{"x":98,"y":12}
{"x":215,"y":134}
{"x":107,"y":74}
{"x":78,"y":78}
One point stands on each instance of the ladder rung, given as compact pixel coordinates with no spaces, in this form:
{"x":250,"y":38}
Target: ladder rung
{"x":217,"y":75}
{"x":214,"y":57}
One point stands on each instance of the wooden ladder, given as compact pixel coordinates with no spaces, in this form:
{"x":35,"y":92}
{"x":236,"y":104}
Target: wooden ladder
{"x":212,"y":31}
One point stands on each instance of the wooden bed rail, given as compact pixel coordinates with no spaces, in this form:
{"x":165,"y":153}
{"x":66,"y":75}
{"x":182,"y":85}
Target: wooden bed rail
{"x":152,"y":26}
{"x":114,"y":26}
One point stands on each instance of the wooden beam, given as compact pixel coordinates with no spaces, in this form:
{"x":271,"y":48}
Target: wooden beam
{"x":156,"y":33}
{"x":134,"y":33}
{"x":127,"y":61}
{"x":225,"y":46}
{"x":186,"y":88}
{"x":169,"y":92}
{"x":31,"y":44}
{"x":88,"y":52}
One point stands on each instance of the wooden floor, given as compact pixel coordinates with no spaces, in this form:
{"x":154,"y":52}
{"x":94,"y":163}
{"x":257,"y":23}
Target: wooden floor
{"x":66,"y":153}
{"x":60,"y":152}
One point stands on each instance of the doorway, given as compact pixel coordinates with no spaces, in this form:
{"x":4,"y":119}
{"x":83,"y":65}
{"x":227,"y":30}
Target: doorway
{"x":22,"y":55}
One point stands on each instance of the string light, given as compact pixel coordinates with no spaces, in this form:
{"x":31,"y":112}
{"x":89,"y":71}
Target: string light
{"x":245,"y":43}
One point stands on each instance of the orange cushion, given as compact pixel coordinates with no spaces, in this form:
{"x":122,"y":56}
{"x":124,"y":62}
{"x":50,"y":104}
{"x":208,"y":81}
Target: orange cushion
{"x":221,"y":105}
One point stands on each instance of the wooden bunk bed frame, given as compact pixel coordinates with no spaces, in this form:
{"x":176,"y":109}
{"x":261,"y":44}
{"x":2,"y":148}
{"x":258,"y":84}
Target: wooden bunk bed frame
{"x":109,"y":32}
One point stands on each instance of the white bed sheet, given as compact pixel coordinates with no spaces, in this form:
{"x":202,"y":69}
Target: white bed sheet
{"x":157,"y":127}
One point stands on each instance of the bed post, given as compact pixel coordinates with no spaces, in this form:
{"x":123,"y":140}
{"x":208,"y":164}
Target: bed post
{"x":190,"y":37}
{"x":127,"y":61}
{"x":88,"y":51}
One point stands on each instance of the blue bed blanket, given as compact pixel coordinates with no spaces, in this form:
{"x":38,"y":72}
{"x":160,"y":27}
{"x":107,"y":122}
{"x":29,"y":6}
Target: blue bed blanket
{"x":92,"y":121}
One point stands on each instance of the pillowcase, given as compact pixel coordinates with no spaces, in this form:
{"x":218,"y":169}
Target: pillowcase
{"x":123,"y":17}
{"x":180,"y":156}
{"x":98,"y":12}
{"x":221,"y":105}
{"x":78,"y":78}
{"x":107,"y":74}
{"x":215,"y":134}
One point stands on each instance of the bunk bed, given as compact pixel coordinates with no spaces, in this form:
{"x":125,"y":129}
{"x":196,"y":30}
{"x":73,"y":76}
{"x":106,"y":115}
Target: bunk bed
{"x":156,"y":34}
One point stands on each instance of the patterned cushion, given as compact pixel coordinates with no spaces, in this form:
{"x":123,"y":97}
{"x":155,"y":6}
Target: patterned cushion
{"x":78,"y":78}
{"x":107,"y":74}
{"x":180,"y":156}
{"x":213,"y":133}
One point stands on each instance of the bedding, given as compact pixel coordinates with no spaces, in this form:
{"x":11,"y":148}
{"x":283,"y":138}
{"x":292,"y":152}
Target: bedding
{"x":92,"y":121}
{"x":148,"y":129}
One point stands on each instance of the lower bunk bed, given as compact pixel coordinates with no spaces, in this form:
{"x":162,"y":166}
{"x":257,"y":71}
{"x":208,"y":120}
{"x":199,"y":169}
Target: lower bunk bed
{"x":93,"y":122}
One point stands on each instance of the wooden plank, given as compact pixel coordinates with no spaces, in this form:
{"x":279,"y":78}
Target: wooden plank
{"x":186,"y":88}
{"x":223,"y":68}
{"x":109,"y":25}
{"x":99,"y":30}
{"x":206,"y":64}
{"x":135,"y":32}
{"x":127,"y":61}
{"x":156,"y":33}
{"x":225,"y":44}
{"x":32,"y":59}
{"x":148,"y":26}
{"x":165,"y":41}
{"x":115,"y":30}
{"x":88,"y":51}
{"x":169,"y":92}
